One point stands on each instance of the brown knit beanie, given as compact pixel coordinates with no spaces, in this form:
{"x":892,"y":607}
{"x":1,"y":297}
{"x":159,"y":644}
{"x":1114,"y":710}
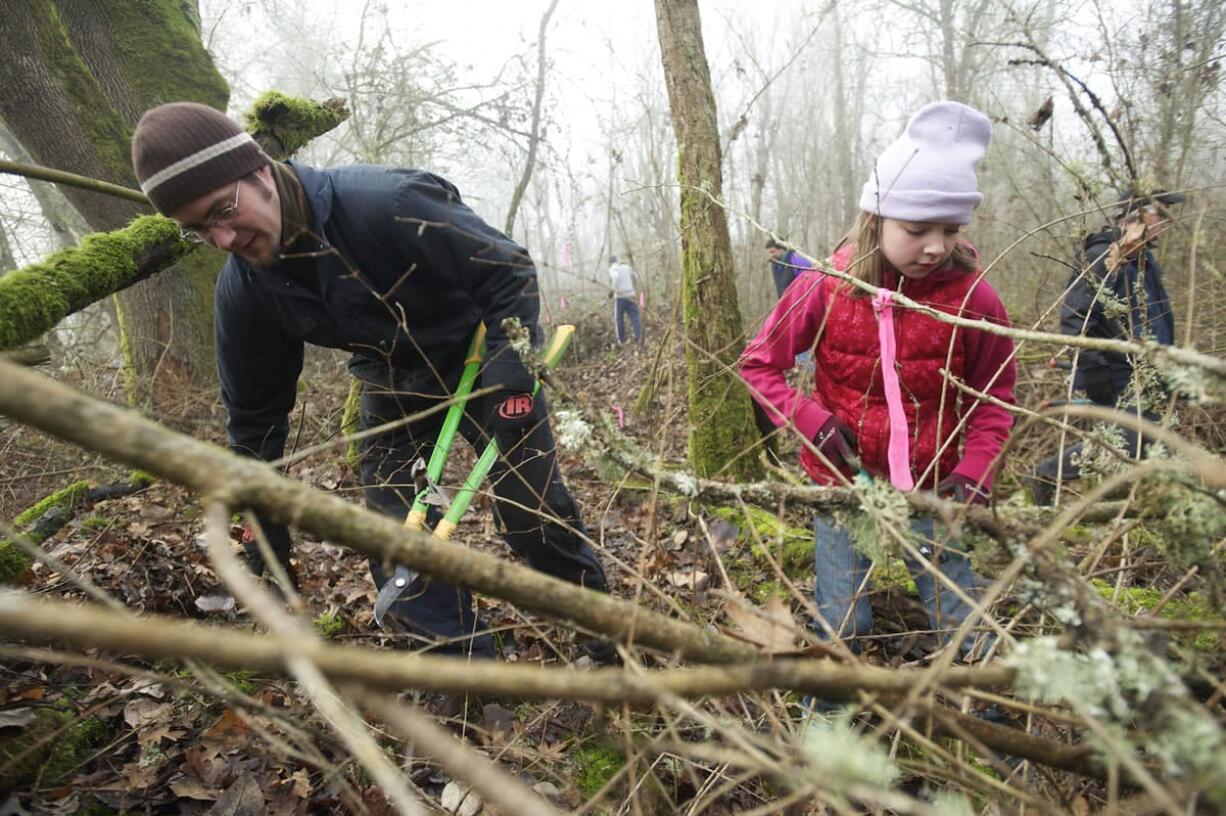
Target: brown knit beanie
{"x":183,"y":150}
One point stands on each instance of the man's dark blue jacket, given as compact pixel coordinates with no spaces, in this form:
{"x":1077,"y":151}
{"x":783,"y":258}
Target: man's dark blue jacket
{"x":397,"y":269}
{"x":1137,"y":285}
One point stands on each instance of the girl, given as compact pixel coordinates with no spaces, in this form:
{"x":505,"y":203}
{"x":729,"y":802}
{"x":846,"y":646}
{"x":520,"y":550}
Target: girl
{"x":880,"y":401}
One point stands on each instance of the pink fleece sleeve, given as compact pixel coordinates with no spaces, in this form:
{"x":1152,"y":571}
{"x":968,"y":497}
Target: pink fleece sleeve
{"x":789,"y":330}
{"x":990,"y":369}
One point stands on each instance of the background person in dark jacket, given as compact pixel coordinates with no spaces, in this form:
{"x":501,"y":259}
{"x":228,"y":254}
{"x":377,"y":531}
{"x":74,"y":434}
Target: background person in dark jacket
{"x":786,"y":264}
{"x":1116,"y":291}
{"x":392,"y":266}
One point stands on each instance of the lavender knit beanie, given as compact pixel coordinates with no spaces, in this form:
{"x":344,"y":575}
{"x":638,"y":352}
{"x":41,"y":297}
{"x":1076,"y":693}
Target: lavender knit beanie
{"x":182,"y":150}
{"x":928,"y":173}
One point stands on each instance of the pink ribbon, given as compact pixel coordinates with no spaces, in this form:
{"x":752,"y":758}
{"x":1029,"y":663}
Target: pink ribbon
{"x":621,"y":416}
{"x":899,"y":452}
{"x":642,"y":301}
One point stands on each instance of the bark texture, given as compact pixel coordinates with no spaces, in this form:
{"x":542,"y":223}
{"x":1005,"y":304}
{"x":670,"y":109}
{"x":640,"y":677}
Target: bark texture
{"x":722,"y":432}
{"x":78,"y":76}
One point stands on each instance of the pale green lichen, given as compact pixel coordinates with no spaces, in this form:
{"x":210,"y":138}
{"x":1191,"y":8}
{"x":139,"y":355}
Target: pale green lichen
{"x":572,"y":430}
{"x":951,"y":803}
{"x":1122,"y":687}
{"x":883,"y":512}
{"x":841,"y":757}
{"x":686,"y":484}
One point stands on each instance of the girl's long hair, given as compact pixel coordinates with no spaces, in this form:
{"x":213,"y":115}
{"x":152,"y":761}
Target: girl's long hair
{"x":869,"y":264}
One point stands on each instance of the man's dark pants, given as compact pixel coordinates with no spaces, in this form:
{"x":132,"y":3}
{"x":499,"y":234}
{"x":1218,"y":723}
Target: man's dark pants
{"x":535,"y":512}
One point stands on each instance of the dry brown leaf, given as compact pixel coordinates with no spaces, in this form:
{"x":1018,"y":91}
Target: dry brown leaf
{"x":143,"y":712}
{"x":188,"y":788}
{"x":772,"y":627}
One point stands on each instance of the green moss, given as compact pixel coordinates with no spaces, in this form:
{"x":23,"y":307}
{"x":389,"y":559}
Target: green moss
{"x":290,"y":122}
{"x":328,"y":624}
{"x":595,"y":765}
{"x":241,"y":680}
{"x":1193,"y":607}
{"x":67,"y":498}
{"x":56,"y":759}
{"x":892,"y":573}
{"x":791,"y":546}
{"x":763,"y":591}
{"x":95,"y":523}
{"x":14,"y":561}
{"x":163,"y":57}
{"x":141,"y":478}
{"x":35,"y":298}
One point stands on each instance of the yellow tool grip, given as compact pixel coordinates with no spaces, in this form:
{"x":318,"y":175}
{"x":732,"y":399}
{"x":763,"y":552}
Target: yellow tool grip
{"x":557,"y":346}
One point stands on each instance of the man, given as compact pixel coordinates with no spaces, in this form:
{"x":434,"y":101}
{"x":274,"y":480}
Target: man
{"x":625,"y":300}
{"x":786,"y":264}
{"x":1119,"y":295}
{"x":392,"y":266}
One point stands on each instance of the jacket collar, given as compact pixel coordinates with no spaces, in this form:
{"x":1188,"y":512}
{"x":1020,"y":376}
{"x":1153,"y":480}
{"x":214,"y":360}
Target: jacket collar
{"x":317,"y":185}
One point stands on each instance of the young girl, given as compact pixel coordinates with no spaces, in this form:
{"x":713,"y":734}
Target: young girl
{"x":880,"y":401}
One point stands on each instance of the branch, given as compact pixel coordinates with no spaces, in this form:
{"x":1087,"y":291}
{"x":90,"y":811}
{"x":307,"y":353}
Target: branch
{"x":42,"y":403}
{"x":155,"y":638}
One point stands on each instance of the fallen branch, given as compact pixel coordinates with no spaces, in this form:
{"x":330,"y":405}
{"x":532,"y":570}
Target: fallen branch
{"x":70,"y":415}
{"x":154,"y":638}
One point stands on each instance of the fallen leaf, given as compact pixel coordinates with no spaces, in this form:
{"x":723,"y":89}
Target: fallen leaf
{"x":215,"y":603}
{"x":498,"y":719}
{"x":243,"y":798}
{"x":16,"y":717}
{"x":188,"y":788}
{"x":228,"y":725}
{"x":460,"y":800}
{"x":301,"y":783}
{"x":689,"y":580}
{"x":678,"y":540}
{"x":772,"y":627}
{"x":142,"y":712}
{"x":32,"y":693}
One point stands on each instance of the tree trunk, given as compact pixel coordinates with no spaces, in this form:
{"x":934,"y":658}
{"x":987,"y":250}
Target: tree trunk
{"x":722,"y":431}
{"x":78,"y":75}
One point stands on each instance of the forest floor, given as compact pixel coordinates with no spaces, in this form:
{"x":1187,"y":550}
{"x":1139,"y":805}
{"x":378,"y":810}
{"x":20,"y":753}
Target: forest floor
{"x":107,"y":733}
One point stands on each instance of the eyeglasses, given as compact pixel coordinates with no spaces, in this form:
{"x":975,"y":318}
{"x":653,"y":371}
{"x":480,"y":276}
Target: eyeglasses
{"x":220,"y":218}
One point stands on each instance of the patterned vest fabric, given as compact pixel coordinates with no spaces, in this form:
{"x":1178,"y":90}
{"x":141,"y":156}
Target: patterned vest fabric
{"x":848,"y":378}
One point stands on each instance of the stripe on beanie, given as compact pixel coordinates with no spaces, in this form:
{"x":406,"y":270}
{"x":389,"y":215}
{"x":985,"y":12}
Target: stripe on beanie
{"x":195,"y":160}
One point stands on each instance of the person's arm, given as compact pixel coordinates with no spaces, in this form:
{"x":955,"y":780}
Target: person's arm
{"x":991,"y":368}
{"x":258,"y":365}
{"x":441,"y":230}
{"x":791,"y":328}
{"x":1082,"y":311}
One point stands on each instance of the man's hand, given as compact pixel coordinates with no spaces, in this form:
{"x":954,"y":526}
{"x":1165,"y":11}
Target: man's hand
{"x":837,"y":442}
{"x":962,"y":489}
{"x":514,"y":412}
{"x":1134,"y":236}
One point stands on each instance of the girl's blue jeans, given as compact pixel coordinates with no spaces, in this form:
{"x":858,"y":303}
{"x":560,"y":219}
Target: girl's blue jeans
{"x":842,"y":595}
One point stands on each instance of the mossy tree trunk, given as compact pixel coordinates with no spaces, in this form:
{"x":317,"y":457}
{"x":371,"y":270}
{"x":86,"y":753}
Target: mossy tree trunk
{"x":77,"y":76}
{"x":722,"y":432}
